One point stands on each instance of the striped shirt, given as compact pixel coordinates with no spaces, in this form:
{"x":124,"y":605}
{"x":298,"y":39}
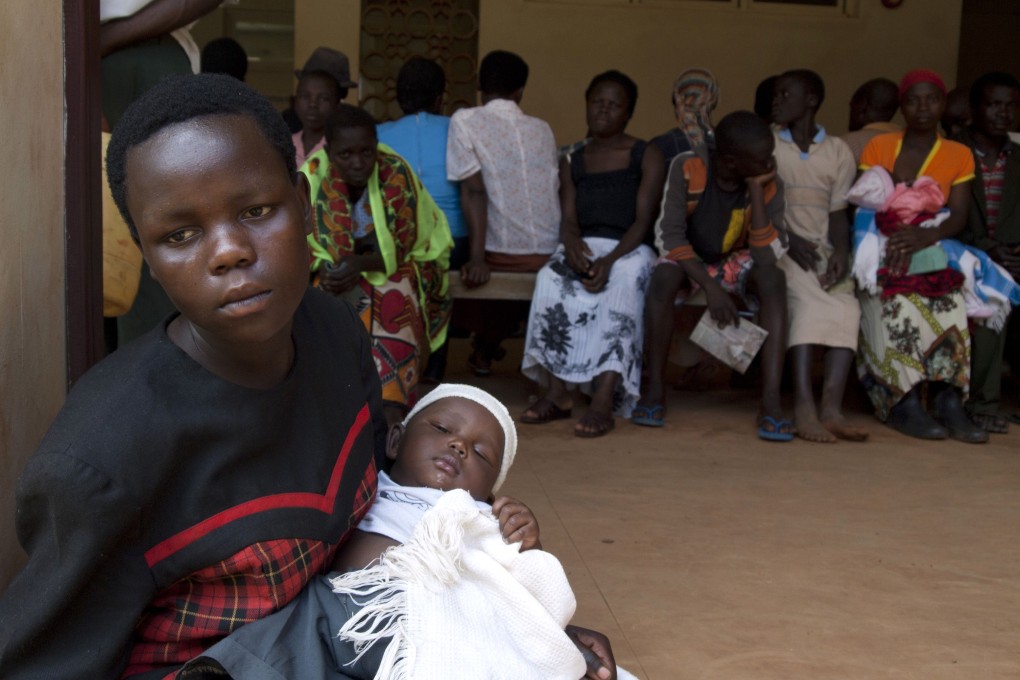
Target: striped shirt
{"x":993,"y":178}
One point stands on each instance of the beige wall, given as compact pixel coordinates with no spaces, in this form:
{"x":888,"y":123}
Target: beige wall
{"x":654,"y":42}
{"x":32,"y":364}
{"x":566,"y":42}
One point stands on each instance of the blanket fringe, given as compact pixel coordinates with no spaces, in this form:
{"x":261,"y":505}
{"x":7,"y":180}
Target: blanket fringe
{"x":430,"y":559}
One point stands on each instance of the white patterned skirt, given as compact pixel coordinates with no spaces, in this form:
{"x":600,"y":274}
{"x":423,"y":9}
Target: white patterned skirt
{"x":576,"y":335}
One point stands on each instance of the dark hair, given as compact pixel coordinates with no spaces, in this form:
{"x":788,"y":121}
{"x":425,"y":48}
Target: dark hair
{"x":628,"y":85}
{"x":225,"y":55}
{"x":992,"y":79}
{"x":178,"y":99}
{"x":881,"y":95}
{"x":346,"y":117}
{"x":341,"y":92}
{"x":502,"y":73}
{"x":763,"y":95}
{"x":739,"y":130}
{"x":420,"y":83}
{"x":812,"y":82}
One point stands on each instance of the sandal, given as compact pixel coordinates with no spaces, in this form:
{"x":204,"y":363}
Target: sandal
{"x":991,"y":422}
{"x":649,"y":416}
{"x":775,"y":429}
{"x":600,"y":424}
{"x":545,"y":411}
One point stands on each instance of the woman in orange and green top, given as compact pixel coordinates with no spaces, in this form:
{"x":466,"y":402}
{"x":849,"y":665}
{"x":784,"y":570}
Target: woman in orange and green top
{"x":915,"y":331}
{"x":380,"y":241}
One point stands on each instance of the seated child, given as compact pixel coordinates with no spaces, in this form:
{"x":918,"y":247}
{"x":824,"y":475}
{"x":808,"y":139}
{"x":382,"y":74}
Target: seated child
{"x":720,"y":229}
{"x":425,"y":547}
{"x":817,"y":170}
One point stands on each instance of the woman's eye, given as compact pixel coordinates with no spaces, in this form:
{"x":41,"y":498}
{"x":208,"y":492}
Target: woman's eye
{"x":257,"y":211}
{"x":180,"y":236}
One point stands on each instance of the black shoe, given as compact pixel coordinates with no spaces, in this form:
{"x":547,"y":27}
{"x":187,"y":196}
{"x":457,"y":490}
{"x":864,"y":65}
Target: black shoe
{"x":908,"y":417}
{"x":949,"y":411}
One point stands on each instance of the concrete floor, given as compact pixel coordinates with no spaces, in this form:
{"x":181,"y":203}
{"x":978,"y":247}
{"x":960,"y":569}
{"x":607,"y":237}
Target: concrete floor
{"x":705,"y":553}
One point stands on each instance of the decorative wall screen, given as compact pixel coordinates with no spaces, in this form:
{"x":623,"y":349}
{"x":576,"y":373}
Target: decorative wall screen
{"x":392,"y":31}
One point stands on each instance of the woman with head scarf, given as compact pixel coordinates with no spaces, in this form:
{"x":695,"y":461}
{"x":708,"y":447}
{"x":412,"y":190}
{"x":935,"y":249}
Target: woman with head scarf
{"x":914,"y":329}
{"x":695,"y":96}
{"x":380,"y":241}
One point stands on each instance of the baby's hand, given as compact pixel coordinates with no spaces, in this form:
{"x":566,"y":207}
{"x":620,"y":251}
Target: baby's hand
{"x":516,"y":522}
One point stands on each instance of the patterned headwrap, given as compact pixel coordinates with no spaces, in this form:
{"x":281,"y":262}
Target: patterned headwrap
{"x":696,"y":94}
{"x":921,"y":75}
{"x":490,"y":404}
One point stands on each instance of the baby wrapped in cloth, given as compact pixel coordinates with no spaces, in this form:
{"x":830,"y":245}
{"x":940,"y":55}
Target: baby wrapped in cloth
{"x":453,"y":600}
{"x":457,"y":591}
{"x":989,"y":291}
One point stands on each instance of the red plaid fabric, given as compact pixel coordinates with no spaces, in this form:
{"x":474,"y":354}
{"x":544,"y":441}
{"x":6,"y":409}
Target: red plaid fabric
{"x":993,"y":177}
{"x":196,"y":612}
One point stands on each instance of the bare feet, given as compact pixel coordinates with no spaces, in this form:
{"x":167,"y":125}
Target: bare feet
{"x":838,"y":425}
{"x":809,"y":427}
{"x":991,"y":422}
{"x":544,"y":411}
{"x":594,"y":424}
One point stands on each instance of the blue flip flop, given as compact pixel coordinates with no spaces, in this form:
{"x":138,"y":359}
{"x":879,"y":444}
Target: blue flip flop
{"x":775,"y":434}
{"x":649,"y":416}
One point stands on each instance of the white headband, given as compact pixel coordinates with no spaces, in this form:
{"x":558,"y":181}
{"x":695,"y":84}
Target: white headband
{"x":489,"y":403}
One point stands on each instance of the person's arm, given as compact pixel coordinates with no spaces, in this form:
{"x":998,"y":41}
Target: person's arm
{"x":803,"y":251}
{"x":596,"y":650}
{"x":474,"y":203}
{"x":516,"y":523}
{"x":648,"y":197}
{"x":671,"y":237}
{"x":902,"y":245}
{"x":345,"y":274}
{"x":839,"y":231}
{"x":577,"y":252}
{"x":155,"y":19}
{"x":839,"y":237}
{"x":71,"y":611}
{"x":463,"y":165}
{"x":766,"y":204}
{"x":363,"y":548}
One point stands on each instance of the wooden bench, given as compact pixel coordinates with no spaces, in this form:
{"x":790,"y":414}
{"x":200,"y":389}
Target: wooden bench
{"x":521,"y":286}
{"x":515,"y":286}
{"x":501,"y":286}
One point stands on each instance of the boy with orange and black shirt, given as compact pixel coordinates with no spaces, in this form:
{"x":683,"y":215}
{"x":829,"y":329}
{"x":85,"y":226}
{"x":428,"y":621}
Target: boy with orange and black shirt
{"x":720,"y":229}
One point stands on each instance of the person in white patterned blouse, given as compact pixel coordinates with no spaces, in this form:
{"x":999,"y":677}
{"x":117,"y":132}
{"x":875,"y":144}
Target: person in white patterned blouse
{"x":507,"y":164}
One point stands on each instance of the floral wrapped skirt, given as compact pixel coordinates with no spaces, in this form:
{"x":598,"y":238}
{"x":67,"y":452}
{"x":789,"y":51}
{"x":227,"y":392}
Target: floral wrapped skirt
{"x":576,"y":335}
{"x":908,"y":339}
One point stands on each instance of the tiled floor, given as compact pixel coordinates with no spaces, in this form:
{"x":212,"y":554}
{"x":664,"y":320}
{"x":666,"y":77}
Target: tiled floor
{"x":705,"y":553}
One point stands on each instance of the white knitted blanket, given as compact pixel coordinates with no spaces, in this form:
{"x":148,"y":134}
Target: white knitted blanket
{"x":457,"y":601}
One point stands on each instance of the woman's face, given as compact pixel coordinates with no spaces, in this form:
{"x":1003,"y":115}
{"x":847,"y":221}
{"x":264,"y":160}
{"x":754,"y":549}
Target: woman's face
{"x":353,"y":152}
{"x":608,"y":110}
{"x":922,"y":107}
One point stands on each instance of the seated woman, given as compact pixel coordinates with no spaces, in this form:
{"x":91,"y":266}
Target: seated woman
{"x":380,"y":241}
{"x":918,"y":335}
{"x":585,"y":326}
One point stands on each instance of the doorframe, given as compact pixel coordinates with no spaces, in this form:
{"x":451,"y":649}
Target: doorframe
{"x":83,"y":231}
